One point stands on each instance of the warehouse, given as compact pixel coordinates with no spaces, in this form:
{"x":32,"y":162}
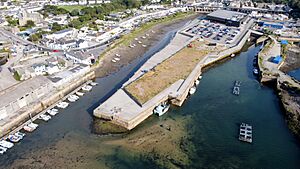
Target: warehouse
{"x":229,"y":18}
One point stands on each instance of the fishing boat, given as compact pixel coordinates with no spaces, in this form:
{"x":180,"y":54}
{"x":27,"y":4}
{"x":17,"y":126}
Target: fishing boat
{"x":28,"y":129}
{"x":245,"y":133}
{"x":161,"y":109}
{"x":2,"y":150}
{"x":71,"y":99}
{"x":33,"y":125}
{"x":87,"y":88}
{"x":200,"y":77}
{"x":117,"y":59}
{"x":94,"y":83}
{"x":45,"y":117}
{"x":197,"y":82}
{"x":51,"y":112}
{"x":118,"y":55}
{"x":114,"y":61}
{"x":6,"y":144}
{"x":237,"y":83}
{"x":192,"y":90}
{"x":255,"y":71}
{"x":14,"y":138}
{"x":236,"y":90}
{"x":62,"y":105}
{"x":79,"y":93}
{"x":144,"y":46}
{"x":20,"y":134}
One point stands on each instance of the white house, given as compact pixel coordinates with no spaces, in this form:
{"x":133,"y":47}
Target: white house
{"x":62,"y":33}
{"x":80,"y":57}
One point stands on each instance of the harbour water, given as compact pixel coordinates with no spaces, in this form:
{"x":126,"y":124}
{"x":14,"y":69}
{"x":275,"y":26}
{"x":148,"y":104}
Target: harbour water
{"x":295,"y":74}
{"x":66,"y":140}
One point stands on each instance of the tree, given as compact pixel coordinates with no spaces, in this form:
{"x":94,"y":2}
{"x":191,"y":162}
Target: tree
{"x":56,"y":27}
{"x":33,"y":38}
{"x":74,"y":12}
{"x":29,"y":24}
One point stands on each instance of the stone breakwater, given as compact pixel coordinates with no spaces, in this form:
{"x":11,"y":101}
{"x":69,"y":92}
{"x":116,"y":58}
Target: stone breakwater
{"x":124,"y":110}
{"x":287,"y":87}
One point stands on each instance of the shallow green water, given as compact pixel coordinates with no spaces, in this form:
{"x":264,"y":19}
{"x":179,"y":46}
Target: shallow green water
{"x":216,"y":115}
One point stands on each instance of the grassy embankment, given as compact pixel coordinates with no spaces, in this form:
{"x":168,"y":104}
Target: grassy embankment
{"x":177,"y":67}
{"x":70,"y":8}
{"x":126,"y":39}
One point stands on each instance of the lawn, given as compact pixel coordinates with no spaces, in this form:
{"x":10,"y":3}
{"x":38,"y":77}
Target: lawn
{"x":179,"y":66}
{"x":70,"y":8}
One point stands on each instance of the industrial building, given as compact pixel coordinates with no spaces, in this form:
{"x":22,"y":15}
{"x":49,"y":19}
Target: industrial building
{"x":229,"y":18}
{"x":13,"y":99}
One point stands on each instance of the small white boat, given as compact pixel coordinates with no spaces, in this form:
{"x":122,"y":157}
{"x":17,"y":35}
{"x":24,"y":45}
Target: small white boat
{"x":117,"y":59}
{"x":118,"y":55}
{"x":32,"y":125}
{"x":45,"y":117}
{"x":147,"y":34}
{"x":255,"y":71}
{"x":14,"y":138}
{"x":114,"y":61}
{"x":6,"y":144}
{"x":139,"y":42}
{"x":71,"y":99}
{"x":232,"y":55}
{"x":28,"y":129}
{"x":2,"y":150}
{"x":73,"y":96}
{"x":200,"y":77}
{"x":20,"y":134}
{"x":62,"y":105}
{"x":144,"y":37}
{"x":192,"y":90}
{"x":144,"y":46}
{"x":79,"y":93}
{"x":94,"y":83}
{"x":161,"y":109}
{"x":197,"y":82}
{"x":136,"y":39}
{"x":87,"y":88}
{"x":51,"y":112}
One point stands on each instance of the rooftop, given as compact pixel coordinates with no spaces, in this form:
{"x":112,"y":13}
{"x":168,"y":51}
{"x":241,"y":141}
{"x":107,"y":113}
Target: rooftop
{"x":224,"y":14}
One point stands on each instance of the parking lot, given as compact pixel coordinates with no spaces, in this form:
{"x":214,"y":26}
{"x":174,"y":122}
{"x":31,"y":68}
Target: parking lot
{"x":215,"y":32}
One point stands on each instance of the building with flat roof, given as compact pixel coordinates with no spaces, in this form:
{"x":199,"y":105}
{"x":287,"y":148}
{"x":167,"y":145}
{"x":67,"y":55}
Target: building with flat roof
{"x":230,"y":18}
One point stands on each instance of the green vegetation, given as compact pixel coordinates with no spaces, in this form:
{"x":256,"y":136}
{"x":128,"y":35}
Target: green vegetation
{"x":17,"y":76}
{"x":70,"y":8}
{"x":29,"y":24}
{"x":11,"y":21}
{"x":177,"y":67}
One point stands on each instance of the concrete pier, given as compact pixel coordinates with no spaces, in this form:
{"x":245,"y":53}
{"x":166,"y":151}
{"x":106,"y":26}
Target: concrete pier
{"x":122,"y":109}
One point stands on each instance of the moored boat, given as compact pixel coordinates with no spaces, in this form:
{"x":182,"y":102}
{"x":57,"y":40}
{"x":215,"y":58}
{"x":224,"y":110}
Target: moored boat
{"x":161,"y":109}
{"x":14,"y":138}
{"x":45,"y":117}
{"x":79,"y":93}
{"x":197,"y":82}
{"x":2,"y":150}
{"x":62,"y":105}
{"x":6,"y":144}
{"x":94,"y":83}
{"x":192,"y":90}
{"x":87,"y":88}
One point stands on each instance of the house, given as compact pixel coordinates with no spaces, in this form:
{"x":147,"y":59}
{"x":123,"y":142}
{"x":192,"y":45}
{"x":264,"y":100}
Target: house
{"x":39,"y":69}
{"x":61,"y":34}
{"x":80,"y":57}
